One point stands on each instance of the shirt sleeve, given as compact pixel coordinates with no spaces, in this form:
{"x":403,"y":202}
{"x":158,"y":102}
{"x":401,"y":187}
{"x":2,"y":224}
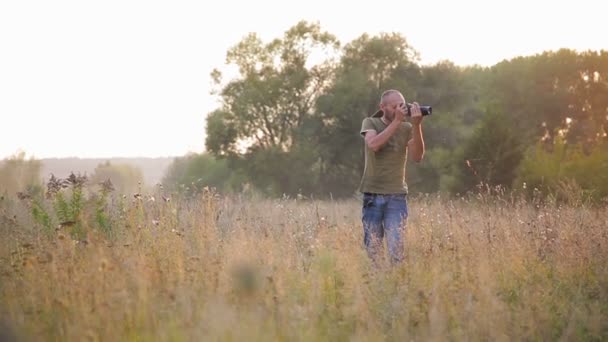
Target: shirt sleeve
{"x":367,"y":126}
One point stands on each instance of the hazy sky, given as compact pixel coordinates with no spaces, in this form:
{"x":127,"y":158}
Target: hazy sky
{"x":131,"y":78}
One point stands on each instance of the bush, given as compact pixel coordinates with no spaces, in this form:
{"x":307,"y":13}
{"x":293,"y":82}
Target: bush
{"x":192,"y":173}
{"x":491,"y":156}
{"x":565,"y":171}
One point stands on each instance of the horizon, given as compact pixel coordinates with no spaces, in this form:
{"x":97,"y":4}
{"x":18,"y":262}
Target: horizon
{"x":131,"y":79}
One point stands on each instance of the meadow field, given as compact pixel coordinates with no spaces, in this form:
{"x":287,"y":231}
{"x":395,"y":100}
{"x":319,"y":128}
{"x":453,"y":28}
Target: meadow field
{"x":489,"y":267}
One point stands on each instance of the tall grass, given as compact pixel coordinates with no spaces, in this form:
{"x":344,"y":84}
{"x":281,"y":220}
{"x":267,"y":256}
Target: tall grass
{"x":216,"y":268}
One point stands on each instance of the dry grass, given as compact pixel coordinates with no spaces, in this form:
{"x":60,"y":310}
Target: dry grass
{"x":254,"y":269}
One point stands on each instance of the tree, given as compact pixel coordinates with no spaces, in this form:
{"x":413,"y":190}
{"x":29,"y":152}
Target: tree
{"x":454,"y":94}
{"x":192,"y":173}
{"x":549,"y":91}
{"x":562,"y":169}
{"x":267,"y":110}
{"x":492,"y":154}
{"x":290,"y":125}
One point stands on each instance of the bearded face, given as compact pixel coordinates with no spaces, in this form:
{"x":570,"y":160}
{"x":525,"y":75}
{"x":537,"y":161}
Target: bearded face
{"x":390,"y":104}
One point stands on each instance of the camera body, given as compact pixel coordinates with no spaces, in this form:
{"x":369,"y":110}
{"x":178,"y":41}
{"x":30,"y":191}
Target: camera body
{"x":425,"y":110}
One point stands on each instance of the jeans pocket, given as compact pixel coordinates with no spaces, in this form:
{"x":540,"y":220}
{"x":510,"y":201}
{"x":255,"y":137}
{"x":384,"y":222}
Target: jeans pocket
{"x":398,"y":203}
{"x":368,"y":200}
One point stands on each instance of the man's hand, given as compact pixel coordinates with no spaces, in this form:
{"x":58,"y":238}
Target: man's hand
{"x":416,"y":114}
{"x":400,"y":113}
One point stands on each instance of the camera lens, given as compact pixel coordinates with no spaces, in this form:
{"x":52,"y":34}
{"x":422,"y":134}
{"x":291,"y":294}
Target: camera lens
{"x":425,"y":110}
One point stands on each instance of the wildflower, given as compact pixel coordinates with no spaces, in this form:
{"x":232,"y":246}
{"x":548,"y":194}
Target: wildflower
{"x":76,"y":181}
{"x":54,"y":185}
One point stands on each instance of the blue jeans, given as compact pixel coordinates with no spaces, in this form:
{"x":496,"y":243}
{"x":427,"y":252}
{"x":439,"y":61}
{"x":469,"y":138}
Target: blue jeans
{"x":384,"y":215}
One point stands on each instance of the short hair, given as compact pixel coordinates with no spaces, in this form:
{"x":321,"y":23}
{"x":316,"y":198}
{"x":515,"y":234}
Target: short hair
{"x":388,"y":93}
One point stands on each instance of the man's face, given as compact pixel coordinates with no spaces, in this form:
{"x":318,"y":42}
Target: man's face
{"x":390,"y":105}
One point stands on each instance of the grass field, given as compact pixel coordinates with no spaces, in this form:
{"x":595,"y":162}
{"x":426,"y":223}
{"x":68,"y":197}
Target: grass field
{"x":232,"y":269}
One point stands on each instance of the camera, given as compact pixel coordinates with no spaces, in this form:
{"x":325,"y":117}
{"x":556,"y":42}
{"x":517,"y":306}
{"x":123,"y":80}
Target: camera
{"x":425,"y":110}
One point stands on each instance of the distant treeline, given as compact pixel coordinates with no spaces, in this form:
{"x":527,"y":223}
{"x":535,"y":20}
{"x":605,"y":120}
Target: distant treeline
{"x":153,"y":169}
{"x":289,"y":123}
{"x":128,"y":175}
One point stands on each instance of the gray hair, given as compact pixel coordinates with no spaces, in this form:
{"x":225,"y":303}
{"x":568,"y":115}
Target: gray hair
{"x":388,"y":93}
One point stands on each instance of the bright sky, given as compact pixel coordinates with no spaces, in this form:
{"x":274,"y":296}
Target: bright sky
{"x":131,"y":78}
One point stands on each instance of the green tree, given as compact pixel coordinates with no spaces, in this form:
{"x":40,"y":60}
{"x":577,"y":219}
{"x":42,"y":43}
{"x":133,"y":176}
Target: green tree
{"x":547,"y":92}
{"x":290,"y":125}
{"x":491,"y":155}
{"x":454,"y":94}
{"x":565,"y":170}
{"x":266,"y":111}
{"x":192,"y":173}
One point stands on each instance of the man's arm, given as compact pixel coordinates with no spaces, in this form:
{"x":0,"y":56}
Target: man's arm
{"x":375,"y":141}
{"x":416,"y":144}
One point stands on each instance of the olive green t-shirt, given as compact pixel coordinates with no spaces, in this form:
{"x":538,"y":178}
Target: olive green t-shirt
{"x":384,"y":171}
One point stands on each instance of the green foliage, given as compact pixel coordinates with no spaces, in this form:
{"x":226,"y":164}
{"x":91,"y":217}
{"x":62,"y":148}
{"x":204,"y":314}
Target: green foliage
{"x":540,"y":92}
{"x":274,"y":93}
{"x":266,"y":108}
{"x":491,"y":155}
{"x":442,"y":164}
{"x":566,"y":171}
{"x":72,"y":204}
{"x":192,"y":173}
{"x":41,"y":215}
{"x":68,"y":209}
{"x":102,"y":218}
{"x":62,"y":208}
{"x":291,"y":126}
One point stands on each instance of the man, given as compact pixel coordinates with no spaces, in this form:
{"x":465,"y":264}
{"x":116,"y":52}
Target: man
{"x":388,"y":137}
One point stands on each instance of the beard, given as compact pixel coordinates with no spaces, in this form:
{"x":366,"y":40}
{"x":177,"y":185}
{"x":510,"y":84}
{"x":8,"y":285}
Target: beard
{"x":389,"y":116}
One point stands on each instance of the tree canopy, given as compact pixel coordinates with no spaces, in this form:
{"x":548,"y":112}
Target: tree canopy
{"x":289,"y":122}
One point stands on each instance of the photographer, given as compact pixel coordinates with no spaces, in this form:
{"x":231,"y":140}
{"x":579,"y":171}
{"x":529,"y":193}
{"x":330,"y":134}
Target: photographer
{"x":388,"y":137}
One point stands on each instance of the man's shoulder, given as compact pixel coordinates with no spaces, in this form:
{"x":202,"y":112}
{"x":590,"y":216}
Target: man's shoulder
{"x":372,"y":119}
{"x":376,"y":122}
{"x":371,"y":123}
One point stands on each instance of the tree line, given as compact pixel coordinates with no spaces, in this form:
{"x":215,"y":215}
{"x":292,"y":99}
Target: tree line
{"x":289,"y":123}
